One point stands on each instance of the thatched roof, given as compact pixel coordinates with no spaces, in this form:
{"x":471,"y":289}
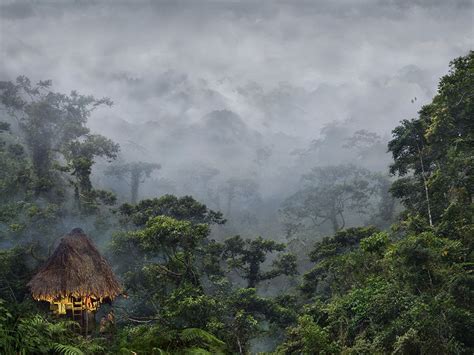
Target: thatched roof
{"x":77,"y":269}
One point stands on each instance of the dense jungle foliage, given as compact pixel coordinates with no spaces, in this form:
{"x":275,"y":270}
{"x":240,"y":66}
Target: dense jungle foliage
{"x":399,"y":286}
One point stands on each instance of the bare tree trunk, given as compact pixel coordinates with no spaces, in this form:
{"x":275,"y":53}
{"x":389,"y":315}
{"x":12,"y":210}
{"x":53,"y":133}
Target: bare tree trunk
{"x":427,"y":195}
{"x":240,"y":346}
{"x":334,"y":222}
{"x":135,"y":183}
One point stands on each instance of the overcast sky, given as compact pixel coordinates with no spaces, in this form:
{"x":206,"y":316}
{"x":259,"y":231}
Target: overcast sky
{"x":288,"y":67}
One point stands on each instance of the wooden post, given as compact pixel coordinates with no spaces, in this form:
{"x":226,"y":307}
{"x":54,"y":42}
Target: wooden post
{"x":87,"y":322}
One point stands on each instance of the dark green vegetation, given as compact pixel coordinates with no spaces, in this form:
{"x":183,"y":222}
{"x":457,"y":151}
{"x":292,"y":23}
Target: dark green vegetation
{"x":403,"y":289}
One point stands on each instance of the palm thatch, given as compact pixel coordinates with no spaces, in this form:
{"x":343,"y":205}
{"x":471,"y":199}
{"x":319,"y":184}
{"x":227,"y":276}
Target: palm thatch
{"x":76,"y":269}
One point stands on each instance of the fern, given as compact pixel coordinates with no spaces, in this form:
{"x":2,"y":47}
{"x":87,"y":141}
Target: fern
{"x":196,"y":335}
{"x":67,"y":349}
{"x":196,"y":351}
{"x":92,"y":348}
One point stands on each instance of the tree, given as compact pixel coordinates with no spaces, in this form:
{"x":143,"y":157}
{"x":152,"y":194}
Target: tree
{"x":175,"y":245}
{"x":409,"y":153}
{"x":433,"y":153}
{"x":15,"y":171}
{"x":180,"y":208}
{"x":337,"y":141}
{"x":15,"y":272}
{"x":80,"y":157}
{"x":245,"y":188}
{"x":244,"y":315}
{"x":53,"y":124}
{"x":164,"y":264}
{"x":199,"y":179}
{"x":307,"y":337}
{"x":248,"y":255}
{"x":24,"y":217}
{"x":136,"y":171}
{"x":333,"y":272}
{"x":362,"y":140}
{"x":329,"y":194}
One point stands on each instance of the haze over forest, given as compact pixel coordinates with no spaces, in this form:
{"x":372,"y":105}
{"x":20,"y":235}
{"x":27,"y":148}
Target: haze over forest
{"x":239,"y":87}
{"x":262,"y":110}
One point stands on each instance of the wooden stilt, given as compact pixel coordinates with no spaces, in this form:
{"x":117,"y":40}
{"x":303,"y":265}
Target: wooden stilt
{"x":79,"y":310}
{"x":87,"y":322}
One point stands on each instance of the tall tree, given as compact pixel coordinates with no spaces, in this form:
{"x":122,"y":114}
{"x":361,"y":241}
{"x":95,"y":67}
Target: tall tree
{"x":433,"y":153}
{"x":80,"y":155}
{"x":329,"y":194}
{"x":410,"y":154}
{"x":53,"y":126}
{"x":246,"y":256}
{"x":180,"y":208}
{"x":136,"y":173}
{"x":244,"y":188}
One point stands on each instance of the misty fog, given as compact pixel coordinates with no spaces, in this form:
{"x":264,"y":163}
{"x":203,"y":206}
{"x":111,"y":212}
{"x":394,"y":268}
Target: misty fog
{"x":221,"y":90}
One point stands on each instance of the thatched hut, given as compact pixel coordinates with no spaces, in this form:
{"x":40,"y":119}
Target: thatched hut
{"x":76,"y":278}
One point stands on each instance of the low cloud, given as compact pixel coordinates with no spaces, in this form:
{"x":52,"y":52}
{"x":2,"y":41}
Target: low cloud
{"x":279,"y":71}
